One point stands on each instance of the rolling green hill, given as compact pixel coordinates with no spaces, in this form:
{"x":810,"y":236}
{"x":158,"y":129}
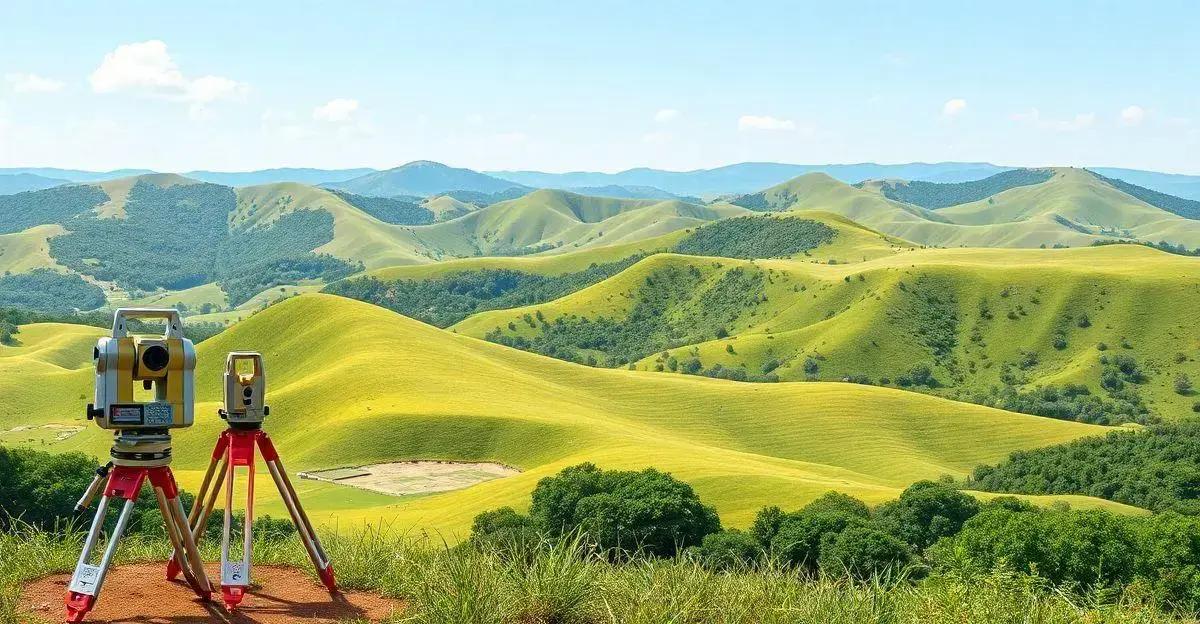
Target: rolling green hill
{"x":353,"y":384}
{"x":991,"y":325}
{"x":1072,"y":208}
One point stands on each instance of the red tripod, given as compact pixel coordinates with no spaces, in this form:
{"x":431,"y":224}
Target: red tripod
{"x":235,"y":448}
{"x":125,"y":482}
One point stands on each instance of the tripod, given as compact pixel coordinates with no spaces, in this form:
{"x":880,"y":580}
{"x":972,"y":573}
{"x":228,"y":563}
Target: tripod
{"x":138,"y":456}
{"x":236,"y":447}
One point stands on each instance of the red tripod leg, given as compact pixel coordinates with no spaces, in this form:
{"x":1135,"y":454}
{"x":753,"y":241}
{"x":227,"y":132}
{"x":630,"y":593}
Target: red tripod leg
{"x":205,"y":500}
{"x":303,"y":526}
{"x":235,"y":575}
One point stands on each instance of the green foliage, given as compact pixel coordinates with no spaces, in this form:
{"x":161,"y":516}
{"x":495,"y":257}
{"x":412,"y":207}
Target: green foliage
{"x":41,"y":488}
{"x":756,"y":237}
{"x":443,"y":301}
{"x":10,"y":318}
{"x":480,"y":198}
{"x":504,"y":528}
{"x":863,"y":553}
{"x":925,"y":512}
{"x":50,"y":291}
{"x":1187,"y":208}
{"x":388,"y":209}
{"x":178,"y":237}
{"x":53,"y":205}
{"x":801,"y":535}
{"x":934,"y":195}
{"x":1067,"y":402}
{"x":1157,"y":469}
{"x":726,"y":550}
{"x":647,"y":511}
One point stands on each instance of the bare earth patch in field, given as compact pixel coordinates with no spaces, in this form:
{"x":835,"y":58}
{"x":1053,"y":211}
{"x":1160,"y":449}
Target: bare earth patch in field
{"x":38,"y":434}
{"x":139,"y":593}
{"x":413,"y":477}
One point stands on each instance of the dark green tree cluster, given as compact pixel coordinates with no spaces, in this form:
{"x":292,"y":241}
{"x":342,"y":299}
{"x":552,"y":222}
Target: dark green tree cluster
{"x":1178,"y":250}
{"x":756,"y":237}
{"x":1187,"y":208}
{"x":934,"y":195}
{"x":1066,"y":402}
{"x":443,"y":301}
{"x":12,"y":318}
{"x":50,"y":291}
{"x":53,"y":205}
{"x":480,"y":198}
{"x":1157,"y":468}
{"x":620,"y":512}
{"x":388,"y":209}
{"x":179,"y":237}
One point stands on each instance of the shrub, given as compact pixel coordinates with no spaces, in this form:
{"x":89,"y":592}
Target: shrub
{"x":1183,"y":384}
{"x":862,"y":553}
{"x":728,"y":550}
{"x":646,"y":511}
{"x":503,"y":527}
{"x":798,"y":541}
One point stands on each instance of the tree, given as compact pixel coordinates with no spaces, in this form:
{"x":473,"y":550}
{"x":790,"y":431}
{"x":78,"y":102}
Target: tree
{"x":837,"y":502}
{"x":862,"y":552}
{"x":798,"y":541}
{"x":503,"y":527}
{"x":1183,"y":384}
{"x":647,"y":511}
{"x":728,"y":550}
{"x":925,"y":512}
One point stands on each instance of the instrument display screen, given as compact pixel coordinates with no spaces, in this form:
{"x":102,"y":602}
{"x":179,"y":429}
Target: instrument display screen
{"x":126,"y":414}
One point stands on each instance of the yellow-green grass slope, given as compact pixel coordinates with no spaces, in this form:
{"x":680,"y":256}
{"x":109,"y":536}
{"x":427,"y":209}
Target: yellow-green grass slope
{"x":881,"y":317}
{"x":1073,"y":208}
{"x":352,"y":384}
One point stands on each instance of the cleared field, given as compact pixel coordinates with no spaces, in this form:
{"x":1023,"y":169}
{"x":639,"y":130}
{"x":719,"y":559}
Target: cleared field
{"x":353,"y":384}
{"x":29,"y":249}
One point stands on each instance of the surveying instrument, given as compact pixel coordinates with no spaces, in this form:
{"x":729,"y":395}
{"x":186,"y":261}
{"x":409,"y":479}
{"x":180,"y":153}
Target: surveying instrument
{"x":141,"y":447}
{"x":244,"y":409}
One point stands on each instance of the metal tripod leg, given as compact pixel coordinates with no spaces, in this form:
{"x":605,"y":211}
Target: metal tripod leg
{"x":303,"y":526}
{"x":205,"y":501}
{"x":94,"y":487}
{"x":235,"y":575}
{"x":88,"y":579}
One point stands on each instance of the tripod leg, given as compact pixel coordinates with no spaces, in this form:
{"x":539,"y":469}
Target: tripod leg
{"x":203,"y":505}
{"x":88,"y":579}
{"x":235,"y":575}
{"x":303,"y":526}
{"x":93,"y":488}
{"x":179,"y":532}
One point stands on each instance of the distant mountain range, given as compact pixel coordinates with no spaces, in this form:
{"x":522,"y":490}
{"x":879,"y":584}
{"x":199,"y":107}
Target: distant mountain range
{"x":426,"y":178}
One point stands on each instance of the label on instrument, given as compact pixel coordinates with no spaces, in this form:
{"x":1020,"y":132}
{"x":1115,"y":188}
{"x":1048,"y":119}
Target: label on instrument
{"x":85,"y":579}
{"x":234,"y":573}
{"x":159,"y":414}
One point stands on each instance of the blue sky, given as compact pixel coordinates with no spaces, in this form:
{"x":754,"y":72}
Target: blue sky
{"x":598,"y":86}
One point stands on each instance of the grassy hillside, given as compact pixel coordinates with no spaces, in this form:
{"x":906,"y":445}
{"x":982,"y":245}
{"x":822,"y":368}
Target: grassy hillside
{"x":991,"y":325}
{"x":29,"y":249}
{"x":1072,"y":208}
{"x":936,"y":195}
{"x":351,"y":384}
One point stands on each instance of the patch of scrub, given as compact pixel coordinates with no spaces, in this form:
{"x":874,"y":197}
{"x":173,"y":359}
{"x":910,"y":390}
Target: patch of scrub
{"x":413,"y":477}
{"x":33,"y":435}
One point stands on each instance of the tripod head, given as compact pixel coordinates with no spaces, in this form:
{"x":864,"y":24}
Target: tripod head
{"x":245,"y":392}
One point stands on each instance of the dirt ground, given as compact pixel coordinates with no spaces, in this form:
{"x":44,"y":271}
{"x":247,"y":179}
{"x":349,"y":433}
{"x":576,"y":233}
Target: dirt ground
{"x":414,"y":477}
{"x":141,"y":594}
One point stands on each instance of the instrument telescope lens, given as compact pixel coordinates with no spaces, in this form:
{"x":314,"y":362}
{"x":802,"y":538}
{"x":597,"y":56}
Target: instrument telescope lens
{"x":155,"y":357}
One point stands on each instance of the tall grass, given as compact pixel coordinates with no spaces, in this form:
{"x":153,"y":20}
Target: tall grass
{"x":565,"y":583}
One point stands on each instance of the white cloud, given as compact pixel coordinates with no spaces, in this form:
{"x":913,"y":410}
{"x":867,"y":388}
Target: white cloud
{"x":1133,"y":115}
{"x":475,"y":119}
{"x":147,"y":68}
{"x":337,"y":110}
{"x":954,"y":107}
{"x":1033,"y":117}
{"x":764,"y":122}
{"x":33,"y":83}
{"x":665,"y":115}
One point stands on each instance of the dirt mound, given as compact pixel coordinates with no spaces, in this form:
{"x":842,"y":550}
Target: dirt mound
{"x":139,"y":593}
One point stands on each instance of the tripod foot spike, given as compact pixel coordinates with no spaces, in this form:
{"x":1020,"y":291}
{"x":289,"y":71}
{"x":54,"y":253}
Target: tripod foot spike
{"x":78,"y":606}
{"x":327,"y":578}
{"x":232,"y":596}
{"x":172,"y":570}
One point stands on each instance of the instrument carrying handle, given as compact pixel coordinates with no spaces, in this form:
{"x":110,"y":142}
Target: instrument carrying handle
{"x":122,"y":317}
{"x":234,"y":357}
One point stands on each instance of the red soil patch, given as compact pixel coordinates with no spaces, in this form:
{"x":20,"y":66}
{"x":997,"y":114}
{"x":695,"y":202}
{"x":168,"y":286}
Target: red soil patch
{"x":141,"y":594}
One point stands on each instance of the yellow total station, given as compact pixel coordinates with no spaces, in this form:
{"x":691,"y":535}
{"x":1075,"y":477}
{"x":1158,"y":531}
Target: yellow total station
{"x":165,"y":364}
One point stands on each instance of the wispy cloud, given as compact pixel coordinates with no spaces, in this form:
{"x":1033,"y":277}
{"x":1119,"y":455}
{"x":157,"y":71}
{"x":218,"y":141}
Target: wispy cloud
{"x":665,"y":115}
{"x":954,"y":107}
{"x":1133,"y":115}
{"x":337,"y":110}
{"x":765,"y":122}
{"x":32,"y":83}
{"x":147,"y":68}
{"x":1033,"y":117}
